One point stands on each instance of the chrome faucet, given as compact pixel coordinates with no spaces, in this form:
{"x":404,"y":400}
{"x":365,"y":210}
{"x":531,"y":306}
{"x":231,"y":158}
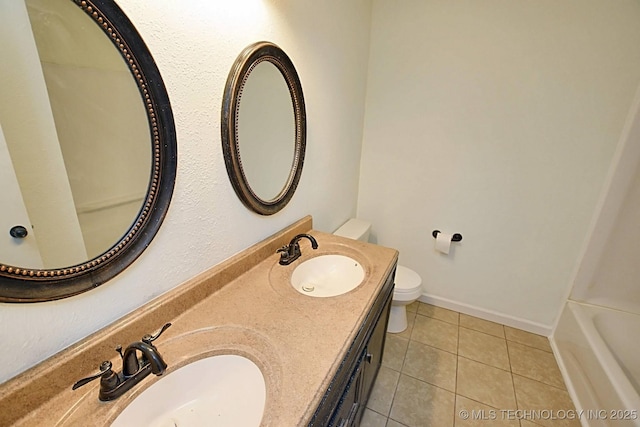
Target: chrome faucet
{"x":291,"y":252}
{"x":134,"y":368}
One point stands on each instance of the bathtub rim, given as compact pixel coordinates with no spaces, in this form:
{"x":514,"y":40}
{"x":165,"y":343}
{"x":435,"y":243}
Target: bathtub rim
{"x":583,"y":314}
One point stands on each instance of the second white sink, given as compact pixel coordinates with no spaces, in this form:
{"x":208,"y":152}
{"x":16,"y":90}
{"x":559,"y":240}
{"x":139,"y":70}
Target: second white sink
{"x":327,"y":276}
{"x":224,"y":390}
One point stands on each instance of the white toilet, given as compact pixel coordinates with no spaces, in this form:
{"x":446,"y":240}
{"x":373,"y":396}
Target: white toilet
{"x":408,"y":284}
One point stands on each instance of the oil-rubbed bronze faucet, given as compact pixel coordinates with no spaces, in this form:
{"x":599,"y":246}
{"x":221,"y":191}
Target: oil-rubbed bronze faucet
{"x":291,"y":252}
{"x":134,"y":368}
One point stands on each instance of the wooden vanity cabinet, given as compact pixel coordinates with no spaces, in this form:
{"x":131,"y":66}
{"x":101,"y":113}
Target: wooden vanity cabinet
{"x":344,"y":401}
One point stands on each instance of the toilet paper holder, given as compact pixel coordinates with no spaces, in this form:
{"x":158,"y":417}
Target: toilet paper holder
{"x":455,"y":238}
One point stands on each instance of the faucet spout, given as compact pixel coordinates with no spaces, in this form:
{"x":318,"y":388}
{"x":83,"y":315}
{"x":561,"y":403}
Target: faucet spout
{"x":291,"y":252}
{"x":314,"y":242}
{"x":131,"y":364}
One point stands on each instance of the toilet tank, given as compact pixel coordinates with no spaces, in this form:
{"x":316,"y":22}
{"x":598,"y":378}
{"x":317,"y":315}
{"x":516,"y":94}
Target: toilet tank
{"x":356,"y":229}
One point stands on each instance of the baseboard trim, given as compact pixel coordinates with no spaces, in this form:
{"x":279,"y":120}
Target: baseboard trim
{"x":493,"y":316}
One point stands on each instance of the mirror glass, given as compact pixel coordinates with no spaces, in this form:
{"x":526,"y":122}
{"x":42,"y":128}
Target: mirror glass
{"x":264,"y":128}
{"x":76,"y":134}
{"x":87,"y":146}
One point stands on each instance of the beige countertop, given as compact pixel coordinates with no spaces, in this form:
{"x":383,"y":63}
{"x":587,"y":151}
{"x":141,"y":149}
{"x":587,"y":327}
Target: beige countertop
{"x":243,"y":306}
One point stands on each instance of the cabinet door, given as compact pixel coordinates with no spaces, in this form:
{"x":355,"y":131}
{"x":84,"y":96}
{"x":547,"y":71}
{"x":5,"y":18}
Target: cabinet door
{"x":344,"y":401}
{"x":348,"y":409}
{"x":374,"y":352}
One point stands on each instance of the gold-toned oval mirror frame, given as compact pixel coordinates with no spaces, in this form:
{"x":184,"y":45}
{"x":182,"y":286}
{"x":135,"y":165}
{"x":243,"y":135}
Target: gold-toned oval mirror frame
{"x":248,"y":59}
{"x":19,"y":284}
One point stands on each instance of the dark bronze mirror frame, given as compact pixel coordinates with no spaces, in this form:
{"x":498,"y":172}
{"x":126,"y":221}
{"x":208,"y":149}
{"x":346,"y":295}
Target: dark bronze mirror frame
{"x":248,"y":59}
{"x":29,"y":285}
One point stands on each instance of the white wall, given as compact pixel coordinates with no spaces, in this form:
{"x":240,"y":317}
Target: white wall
{"x":616,"y":282}
{"x":498,"y":120}
{"x":609,"y":273}
{"x":194,"y":47}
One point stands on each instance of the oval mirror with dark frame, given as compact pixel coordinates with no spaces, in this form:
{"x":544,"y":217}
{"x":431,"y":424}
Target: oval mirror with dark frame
{"x":88,"y":150}
{"x":263,"y":128}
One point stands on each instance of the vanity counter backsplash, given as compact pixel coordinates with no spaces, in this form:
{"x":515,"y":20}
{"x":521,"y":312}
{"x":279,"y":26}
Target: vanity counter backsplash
{"x":244,"y":306}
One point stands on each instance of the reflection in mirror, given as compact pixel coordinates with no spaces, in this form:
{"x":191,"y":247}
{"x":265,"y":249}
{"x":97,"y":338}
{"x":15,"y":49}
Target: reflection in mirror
{"x":87,"y":146}
{"x":266,"y":127}
{"x":263,"y":128}
{"x":102,"y":128}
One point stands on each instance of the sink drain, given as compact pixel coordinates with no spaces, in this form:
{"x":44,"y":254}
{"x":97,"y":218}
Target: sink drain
{"x":308,"y":288}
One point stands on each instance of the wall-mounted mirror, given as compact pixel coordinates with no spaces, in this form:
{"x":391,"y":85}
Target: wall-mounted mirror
{"x":87,"y":147}
{"x":263,"y":128}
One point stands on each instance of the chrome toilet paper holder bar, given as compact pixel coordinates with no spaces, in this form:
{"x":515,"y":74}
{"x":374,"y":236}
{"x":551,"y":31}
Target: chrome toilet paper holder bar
{"x":455,"y":238}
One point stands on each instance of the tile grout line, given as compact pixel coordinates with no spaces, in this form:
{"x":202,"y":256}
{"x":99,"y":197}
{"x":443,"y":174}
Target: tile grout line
{"x":513,"y":383}
{"x":457,"y":356}
{"x":456,"y":353}
{"x":530,"y":346}
{"x":541,"y":382}
{"x":395,"y":390}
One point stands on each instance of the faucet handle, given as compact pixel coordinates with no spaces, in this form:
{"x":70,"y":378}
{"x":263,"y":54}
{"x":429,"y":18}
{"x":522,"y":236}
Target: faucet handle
{"x":105,"y":370}
{"x":119,"y":350}
{"x":148,"y":339}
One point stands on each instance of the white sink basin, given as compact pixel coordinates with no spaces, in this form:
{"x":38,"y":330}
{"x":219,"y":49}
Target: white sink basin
{"x":225,"y":390}
{"x":327,"y":276}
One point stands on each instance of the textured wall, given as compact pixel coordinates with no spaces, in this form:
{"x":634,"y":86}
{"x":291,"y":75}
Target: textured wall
{"x":194,"y":45}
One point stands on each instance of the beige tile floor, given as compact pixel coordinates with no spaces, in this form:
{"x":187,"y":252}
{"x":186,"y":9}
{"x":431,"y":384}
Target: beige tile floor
{"x":447,"y":363}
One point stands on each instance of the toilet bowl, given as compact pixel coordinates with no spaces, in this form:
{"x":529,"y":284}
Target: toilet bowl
{"x":408,"y":288}
{"x":408,"y":284}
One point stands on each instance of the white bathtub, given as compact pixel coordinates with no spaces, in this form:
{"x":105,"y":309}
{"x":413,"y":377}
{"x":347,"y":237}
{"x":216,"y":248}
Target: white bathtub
{"x":598,"y":350}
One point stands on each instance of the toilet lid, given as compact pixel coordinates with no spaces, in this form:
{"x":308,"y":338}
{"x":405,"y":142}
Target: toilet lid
{"x":407,"y":279}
